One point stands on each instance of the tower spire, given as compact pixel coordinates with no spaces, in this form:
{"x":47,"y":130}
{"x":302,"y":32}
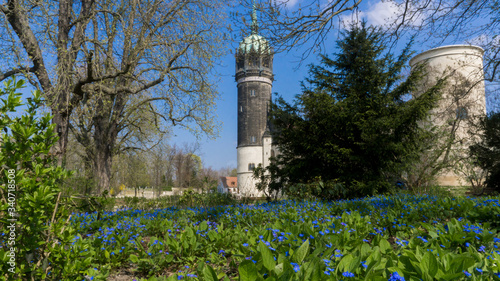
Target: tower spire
{"x":254,"y":18}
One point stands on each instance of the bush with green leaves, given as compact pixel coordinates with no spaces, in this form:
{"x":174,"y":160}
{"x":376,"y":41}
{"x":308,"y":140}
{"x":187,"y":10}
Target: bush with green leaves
{"x":33,"y":217}
{"x":487,"y":151}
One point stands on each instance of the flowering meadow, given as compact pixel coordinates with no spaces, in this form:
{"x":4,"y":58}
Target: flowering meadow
{"x":401,"y":237}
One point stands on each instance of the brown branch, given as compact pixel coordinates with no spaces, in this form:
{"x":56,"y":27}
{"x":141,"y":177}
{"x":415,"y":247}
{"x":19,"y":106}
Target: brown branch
{"x":13,"y":72}
{"x":20,"y":24}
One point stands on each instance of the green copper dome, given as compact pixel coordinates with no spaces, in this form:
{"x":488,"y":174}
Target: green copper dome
{"x":256,"y":42}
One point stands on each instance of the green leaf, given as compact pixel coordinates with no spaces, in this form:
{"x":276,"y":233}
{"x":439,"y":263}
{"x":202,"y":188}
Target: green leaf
{"x":267,"y":257}
{"x":461,"y":263}
{"x":248,"y":271}
{"x":345,"y":263}
{"x":106,"y":254}
{"x":429,"y":264}
{"x":134,"y":258}
{"x":384,"y":245}
{"x":365,"y":250}
{"x":312,"y":271}
{"x":203,"y":226}
{"x":301,"y":252}
{"x":169,"y":258}
{"x":209,"y":274}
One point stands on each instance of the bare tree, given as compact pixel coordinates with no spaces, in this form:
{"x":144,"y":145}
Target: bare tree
{"x":186,"y":165}
{"x":474,"y":21}
{"x":287,"y":26}
{"x":160,"y":159}
{"x":99,"y":53}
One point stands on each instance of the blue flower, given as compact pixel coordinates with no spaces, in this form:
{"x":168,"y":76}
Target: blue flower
{"x":467,"y":274}
{"x":396,"y":277}
{"x":296,"y":266}
{"x":423,"y":239}
{"x":348,"y":274}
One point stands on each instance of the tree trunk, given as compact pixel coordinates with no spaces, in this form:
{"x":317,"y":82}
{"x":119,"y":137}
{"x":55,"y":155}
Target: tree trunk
{"x":105,"y":134}
{"x":62,"y":129}
{"x":103,"y":156}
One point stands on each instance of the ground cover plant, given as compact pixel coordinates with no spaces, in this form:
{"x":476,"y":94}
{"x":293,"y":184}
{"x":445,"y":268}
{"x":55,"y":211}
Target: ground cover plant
{"x":400,"y":237}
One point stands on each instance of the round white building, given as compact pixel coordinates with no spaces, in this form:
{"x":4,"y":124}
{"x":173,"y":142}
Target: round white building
{"x":462,"y":101}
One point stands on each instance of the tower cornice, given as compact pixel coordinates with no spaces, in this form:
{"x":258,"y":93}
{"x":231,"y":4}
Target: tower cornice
{"x":255,"y":79}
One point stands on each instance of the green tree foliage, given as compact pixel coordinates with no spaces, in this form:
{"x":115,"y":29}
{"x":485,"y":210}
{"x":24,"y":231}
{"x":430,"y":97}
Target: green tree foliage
{"x":31,"y":212}
{"x":352,"y":131}
{"x":487,"y":152}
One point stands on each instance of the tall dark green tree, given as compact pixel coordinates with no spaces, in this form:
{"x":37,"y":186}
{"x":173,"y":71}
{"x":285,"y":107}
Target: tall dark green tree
{"x":354,"y":128}
{"x":487,"y":151}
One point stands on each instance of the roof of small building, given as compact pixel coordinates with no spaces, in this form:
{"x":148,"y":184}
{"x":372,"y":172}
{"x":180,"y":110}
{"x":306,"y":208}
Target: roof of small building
{"x":229,"y":181}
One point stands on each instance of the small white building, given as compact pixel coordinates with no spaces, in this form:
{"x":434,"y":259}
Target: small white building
{"x":228,"y":185}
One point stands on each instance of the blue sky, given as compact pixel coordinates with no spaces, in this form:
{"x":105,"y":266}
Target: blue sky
{"x":221,"y":152}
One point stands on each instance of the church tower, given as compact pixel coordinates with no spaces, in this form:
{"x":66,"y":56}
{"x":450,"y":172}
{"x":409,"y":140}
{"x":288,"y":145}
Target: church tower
{"x":254,"y":77}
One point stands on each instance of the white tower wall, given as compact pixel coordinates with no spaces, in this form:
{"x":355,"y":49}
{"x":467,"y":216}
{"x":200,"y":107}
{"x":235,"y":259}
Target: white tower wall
{"x":248,"y":155}
{"x":463,"y":100}
{"x":266,"y":150}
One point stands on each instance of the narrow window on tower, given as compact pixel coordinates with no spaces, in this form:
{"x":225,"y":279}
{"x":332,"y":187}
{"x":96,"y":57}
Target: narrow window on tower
{"x":265,"y":61}
{"x":253,"y":139}
{"x":241,"y":108}
{"x":252,"y":93}
{"x":461,"y":113}
{"x":251,"y":166}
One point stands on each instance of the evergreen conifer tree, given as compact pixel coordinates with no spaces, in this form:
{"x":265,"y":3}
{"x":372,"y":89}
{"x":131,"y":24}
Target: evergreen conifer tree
{"x":487,"y":151}
{"x":354,"y":128}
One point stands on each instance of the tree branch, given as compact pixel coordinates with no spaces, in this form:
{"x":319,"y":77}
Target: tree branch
{"x":13,"y":72}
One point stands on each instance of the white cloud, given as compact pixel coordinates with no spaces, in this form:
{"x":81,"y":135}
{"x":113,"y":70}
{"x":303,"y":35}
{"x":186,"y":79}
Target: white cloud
{"x":382,"y":13}
{"x":288,"y":3}
{"x":354,"y":17}
{"x":292,"y":3}
{"x":379,"y":13}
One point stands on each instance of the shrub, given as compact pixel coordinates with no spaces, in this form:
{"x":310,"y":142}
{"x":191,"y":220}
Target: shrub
{"x":487,"y":152}
{"x":32,"y":213}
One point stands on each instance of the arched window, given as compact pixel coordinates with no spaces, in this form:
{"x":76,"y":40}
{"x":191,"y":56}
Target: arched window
{"x":251,"y":166}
